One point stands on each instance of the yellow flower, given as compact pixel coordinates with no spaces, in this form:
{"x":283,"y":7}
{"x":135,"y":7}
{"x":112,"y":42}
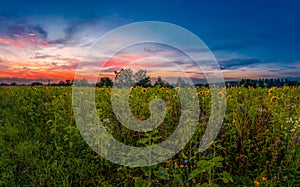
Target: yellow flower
{"x":274,"y":97}
{"x":221,"y":95}
{"x":271,"y":90}
{"x":206,"y":93}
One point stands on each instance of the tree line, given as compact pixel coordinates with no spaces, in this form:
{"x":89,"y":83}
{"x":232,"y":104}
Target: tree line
{"x":127,"y":78}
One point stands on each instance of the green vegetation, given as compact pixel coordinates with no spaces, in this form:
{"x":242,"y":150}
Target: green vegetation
{"x":258,"y":144}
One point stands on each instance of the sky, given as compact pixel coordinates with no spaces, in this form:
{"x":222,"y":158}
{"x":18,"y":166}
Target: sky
{"x":46,"y":41}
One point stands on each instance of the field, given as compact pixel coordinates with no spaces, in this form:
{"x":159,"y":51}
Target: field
{"x":258,"y":144}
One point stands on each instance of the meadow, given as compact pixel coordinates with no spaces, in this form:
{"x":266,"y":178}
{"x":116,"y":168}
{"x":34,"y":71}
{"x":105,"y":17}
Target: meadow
{"x":258,"y":144}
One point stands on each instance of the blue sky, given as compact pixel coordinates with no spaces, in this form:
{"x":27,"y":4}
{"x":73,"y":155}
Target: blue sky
{"x":253,"y":39}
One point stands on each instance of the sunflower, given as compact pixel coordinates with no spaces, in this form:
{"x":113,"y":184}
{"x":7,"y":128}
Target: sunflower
{"x":271,"y":90}
{"x":273,"y":97}
{"x":144,"y":90}
{"x":221,"y":94}
{"x":206,"y":93}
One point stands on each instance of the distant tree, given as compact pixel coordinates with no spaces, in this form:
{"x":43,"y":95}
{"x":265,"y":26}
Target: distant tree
{"x":124,"y":78}
{"x":82,"y":82}
{"x":13,"y":84}
{"x":181,"y":83}
{"x":36,"y":84}
{"x":104,"y":82}
{"x":3,"y":84}
{"x":68,"y":83}
{"x":161,"y":83}
{"x":142,"y":79}
{"x":61,"y":83}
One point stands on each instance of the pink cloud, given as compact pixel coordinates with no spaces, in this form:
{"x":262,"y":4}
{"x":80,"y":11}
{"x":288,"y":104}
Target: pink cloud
{"x":23,"y":42}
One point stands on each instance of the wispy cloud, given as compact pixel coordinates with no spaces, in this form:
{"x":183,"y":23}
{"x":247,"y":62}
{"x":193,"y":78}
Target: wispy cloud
{"x":239,"y":62}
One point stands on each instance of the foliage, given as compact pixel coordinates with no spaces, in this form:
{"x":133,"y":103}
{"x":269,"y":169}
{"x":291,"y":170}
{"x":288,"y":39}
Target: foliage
{"x":258,"y":144}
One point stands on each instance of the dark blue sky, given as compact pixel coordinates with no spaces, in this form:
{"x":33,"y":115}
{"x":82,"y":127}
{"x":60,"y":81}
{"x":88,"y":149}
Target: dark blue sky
{"x":242,"y":35}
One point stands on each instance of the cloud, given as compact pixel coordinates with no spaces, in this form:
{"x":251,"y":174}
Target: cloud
{"x":73,"y":27}
{"x":19,"y":80}
{"x":42,"y":33}
{"x":148,"y":50}
{"x":239,"y":62}
{"x":12,"y":26}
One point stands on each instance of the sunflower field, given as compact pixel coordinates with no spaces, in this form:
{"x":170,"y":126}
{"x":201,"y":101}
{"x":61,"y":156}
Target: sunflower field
{"x":257,"y":145}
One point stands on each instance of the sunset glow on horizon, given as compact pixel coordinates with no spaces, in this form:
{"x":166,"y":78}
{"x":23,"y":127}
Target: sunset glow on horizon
{"x":44,"y":45}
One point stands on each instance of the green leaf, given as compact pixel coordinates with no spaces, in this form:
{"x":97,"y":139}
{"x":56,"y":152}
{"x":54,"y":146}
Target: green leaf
{"x":142,"y":183}
{"x":143,"y":140}
{"x":194,"y":173}
{"x":227,"y":176}
{"x":225,"y":180}
{"x":156,"y":138}
{"x":178,"y":180}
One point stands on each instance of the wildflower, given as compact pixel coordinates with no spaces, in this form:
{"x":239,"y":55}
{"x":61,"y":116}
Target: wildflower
{"x":175,"y":160}
{"x":176,"y":166}
{"x":167,"y":169}
{"x":256,"y":183}
{"x":168,"y":161}
{"x":273,"y":97}
{"x":162,"y":172}
{"x":221,"y":95}
{"x":181,"y":166}
{"x":264,"y":178}
{"x":186,"y":161}
{"x":271,"y":90}
{"x":206,"y":93}
{"x":144,"y":90}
